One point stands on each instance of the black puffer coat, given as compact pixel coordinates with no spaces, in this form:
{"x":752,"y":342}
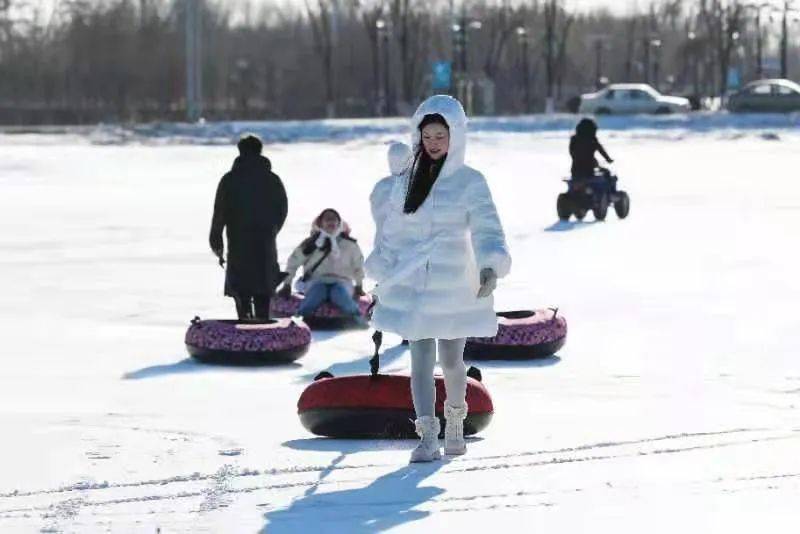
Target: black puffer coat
{"x":251,"y":205}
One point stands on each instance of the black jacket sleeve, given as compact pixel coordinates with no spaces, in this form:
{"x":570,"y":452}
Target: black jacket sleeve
{"x":218,"y":220}
{"x":281,"y":204}
{"x":602,"y":151}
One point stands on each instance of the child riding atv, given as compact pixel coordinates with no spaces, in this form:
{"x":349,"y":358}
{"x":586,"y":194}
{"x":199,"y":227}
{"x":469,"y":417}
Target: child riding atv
{"x":591,"y":187}
{"x":582,"y":147}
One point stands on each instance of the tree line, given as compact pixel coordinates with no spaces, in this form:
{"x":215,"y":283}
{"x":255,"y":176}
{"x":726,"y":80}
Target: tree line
{"x":126,"y":60}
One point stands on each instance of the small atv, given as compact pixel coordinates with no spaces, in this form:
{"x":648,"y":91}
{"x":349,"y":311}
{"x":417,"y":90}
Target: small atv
{"x":596,"y":193}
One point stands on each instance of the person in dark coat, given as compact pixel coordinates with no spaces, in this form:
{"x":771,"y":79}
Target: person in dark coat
{"x":251,"y":206}
{"x":582,"y":147}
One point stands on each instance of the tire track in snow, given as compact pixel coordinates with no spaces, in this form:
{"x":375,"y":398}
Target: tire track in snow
{"x":246,"y":472}
{"x":635,"y":454}
{"x":221,"y":480}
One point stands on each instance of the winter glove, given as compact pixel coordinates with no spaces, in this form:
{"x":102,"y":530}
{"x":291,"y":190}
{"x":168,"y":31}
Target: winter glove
{"x":358,"y":291}
{"x":285,"y":291}
{"x":488,"y":282}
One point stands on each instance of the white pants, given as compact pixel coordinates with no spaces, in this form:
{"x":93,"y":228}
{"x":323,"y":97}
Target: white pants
{"x":423,"y":359}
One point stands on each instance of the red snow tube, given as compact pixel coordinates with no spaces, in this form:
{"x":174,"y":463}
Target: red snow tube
{"x":379,"y":406}
{"x":232,"y":342}
{"x":521,"y":335}
{"x":326,"y":316}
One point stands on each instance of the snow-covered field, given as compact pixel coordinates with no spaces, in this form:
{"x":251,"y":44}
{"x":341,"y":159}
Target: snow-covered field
{"x":673,"y":407}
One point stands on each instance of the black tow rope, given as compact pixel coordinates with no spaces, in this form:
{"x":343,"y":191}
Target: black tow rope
{"x":375,"y":362}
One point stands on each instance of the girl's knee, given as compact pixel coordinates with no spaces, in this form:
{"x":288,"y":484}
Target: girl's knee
{"x":453,"y":365}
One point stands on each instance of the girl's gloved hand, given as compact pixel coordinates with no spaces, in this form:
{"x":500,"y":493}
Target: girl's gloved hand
{"x":488,"y":282}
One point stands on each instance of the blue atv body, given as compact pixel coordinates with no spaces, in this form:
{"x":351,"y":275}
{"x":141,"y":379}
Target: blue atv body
{"x":594,"y":193}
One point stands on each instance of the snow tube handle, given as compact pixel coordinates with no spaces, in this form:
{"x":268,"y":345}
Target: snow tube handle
{"x":555,"y":312}
{"x":375,"y":361}
{"x":195,"y":321}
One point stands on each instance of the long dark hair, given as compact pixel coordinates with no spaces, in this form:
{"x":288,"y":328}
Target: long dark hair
{"x":425,"y":170}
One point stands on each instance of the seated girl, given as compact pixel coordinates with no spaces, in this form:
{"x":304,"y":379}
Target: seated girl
{"x":333,"y":267}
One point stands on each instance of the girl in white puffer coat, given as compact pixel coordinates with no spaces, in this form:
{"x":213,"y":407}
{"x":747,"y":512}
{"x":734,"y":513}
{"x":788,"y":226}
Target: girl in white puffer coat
{"x":439,"y":250}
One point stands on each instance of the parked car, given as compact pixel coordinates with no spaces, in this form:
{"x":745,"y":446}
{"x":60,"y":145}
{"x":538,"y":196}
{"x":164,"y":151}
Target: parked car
{"x":770,"y":96}
{"x":632,"y":98}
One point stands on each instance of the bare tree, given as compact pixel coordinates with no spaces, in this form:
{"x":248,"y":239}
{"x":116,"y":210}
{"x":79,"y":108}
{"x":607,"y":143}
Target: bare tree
{"x":370,"y":13}
{"x":723,"y":22}
{"x":322,"y":21}
{"x":412,"y":29}
{"x":500,"y":23}
{"x":556,"y":28}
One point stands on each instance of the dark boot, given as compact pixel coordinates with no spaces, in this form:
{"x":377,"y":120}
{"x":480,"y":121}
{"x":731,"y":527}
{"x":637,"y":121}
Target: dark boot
{"x":244,"y":307}
{"x":261,"y":306}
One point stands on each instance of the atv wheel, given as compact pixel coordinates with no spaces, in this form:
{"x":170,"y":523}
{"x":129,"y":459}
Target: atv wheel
{"x":563,"y":207}
{"x":600,"y":209}
{"x":623,"y":205}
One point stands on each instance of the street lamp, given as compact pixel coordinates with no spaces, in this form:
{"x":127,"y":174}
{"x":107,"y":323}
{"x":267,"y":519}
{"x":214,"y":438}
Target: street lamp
{"x":194,"y":63}
{"x":656,"y":44}
{"x":384,"y":96}
{"x":598,"y":63}
{"x":460,"y":27}
{"x":692,"y":36}
{"x":522,"y":35}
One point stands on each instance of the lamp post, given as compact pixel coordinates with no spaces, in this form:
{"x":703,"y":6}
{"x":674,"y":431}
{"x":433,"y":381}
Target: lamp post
{"x":598,"y":63}
{"x":522,"y":35}
{"x":695,"y":62}
{"x":194,"y":63}
{"x":460,"y":29}
{"x":385,"y":96}
{"x":656,"y":44}
{"x":458,"y":45}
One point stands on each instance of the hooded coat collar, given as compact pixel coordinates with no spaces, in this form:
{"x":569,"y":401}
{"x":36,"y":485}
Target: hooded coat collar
{"x":449,"y":108}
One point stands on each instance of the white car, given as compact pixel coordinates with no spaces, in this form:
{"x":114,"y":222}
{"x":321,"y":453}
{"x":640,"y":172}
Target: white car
{"x":631,"y":98}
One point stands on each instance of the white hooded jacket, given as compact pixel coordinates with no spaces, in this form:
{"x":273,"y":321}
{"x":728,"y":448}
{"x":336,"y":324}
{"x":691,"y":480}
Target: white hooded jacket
{"x":427,"y":263}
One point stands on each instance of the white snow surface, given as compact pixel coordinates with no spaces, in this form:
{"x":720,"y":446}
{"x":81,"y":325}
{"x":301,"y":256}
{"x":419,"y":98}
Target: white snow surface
{"x":673,"y":406}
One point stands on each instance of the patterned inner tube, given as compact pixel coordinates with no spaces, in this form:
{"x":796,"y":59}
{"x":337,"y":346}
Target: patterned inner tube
{"x":287,"y":307}
{"x":521,"y":334}
{"x":216,"y":339}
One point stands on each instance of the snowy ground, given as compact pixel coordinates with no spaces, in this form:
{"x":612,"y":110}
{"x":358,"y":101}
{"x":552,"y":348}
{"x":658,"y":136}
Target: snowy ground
{"x":674,"y":404}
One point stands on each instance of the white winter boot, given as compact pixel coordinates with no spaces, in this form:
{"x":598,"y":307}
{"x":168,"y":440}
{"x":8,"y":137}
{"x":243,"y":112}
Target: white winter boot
{"x":454,"y":429}
{"x":428,"y":449}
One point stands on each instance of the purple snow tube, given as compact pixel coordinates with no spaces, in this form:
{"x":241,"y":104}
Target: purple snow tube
{"x":521,"y":335}
{"x":232,"y":342}
{"x":326,"y":316}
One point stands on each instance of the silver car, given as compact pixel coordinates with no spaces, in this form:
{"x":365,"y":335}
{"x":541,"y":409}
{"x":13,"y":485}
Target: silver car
{"x":622,"y":98}
{"x":768,"y":96}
